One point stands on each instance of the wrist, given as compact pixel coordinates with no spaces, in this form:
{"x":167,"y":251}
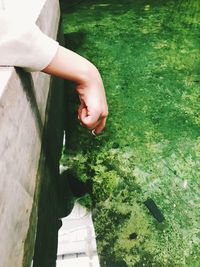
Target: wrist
{"x":89,"y":74}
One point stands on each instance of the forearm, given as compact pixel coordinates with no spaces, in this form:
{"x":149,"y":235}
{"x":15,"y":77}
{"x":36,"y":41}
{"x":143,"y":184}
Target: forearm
{"x":69,"y":65}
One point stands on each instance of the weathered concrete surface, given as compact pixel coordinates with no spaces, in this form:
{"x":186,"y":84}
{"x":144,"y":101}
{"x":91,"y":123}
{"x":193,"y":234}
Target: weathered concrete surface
{"x":47,"y":231}
{"x":23,"y":102}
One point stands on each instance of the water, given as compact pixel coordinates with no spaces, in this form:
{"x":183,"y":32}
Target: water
{"x":148,"y":55}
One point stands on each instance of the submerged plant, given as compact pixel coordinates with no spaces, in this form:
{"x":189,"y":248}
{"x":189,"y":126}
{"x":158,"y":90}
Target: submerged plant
{"x":148,"y":55}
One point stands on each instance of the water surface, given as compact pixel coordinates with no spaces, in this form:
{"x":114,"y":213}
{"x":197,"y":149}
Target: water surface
{"x":148,"y":55}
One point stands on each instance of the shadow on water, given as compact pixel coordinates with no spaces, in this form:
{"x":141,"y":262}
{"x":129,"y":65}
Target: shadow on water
{"x":74,"y":40}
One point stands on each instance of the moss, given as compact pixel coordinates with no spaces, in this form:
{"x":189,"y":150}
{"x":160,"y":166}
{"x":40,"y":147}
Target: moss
{"x":148,"y":54}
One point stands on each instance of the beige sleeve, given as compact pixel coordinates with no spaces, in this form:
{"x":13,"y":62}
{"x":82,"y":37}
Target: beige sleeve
{"x":24,"y":45}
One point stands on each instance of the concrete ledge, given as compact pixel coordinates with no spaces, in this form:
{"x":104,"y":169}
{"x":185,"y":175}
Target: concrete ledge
{"x":23,"y":101}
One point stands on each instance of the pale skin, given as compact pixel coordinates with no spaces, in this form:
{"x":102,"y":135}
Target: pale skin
{"x":93,"y":109}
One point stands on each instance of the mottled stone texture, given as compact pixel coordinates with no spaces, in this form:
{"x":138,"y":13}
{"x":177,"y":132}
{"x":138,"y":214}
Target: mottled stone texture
{"x":30,"y":120}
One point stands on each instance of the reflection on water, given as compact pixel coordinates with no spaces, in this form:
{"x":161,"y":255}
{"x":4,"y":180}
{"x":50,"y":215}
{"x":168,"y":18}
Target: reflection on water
{"x":148,"y":54}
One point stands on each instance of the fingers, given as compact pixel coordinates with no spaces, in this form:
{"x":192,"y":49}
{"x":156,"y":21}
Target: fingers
{"x":89,"y":120}
{"x":93,"y":107}
{"x":94,"y":121}
{"x":99,"y":128}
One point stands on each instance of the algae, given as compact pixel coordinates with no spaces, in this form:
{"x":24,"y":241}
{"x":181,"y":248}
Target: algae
{"x":148,"y":55}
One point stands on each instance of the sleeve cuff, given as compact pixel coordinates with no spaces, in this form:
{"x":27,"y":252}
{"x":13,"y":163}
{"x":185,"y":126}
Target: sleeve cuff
{"x":40,"y":50}
{"x":25,"y":46}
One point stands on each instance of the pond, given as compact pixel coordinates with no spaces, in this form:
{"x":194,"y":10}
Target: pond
{"x":142,"y":174}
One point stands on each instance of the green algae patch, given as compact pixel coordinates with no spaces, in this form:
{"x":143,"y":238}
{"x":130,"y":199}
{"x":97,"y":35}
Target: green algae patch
{"x":148,"y":54}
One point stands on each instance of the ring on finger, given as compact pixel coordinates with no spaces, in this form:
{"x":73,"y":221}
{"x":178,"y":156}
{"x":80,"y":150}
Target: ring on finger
{"x":93,"y":132}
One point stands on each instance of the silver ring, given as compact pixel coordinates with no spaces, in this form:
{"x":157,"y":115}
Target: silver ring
{"x":93,"y":132}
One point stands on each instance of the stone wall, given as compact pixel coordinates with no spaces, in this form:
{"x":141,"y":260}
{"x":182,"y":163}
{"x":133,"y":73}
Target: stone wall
{"x":31,"y":126}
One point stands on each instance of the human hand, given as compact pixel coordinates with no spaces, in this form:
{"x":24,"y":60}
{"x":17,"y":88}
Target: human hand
{"x":93,"y":109}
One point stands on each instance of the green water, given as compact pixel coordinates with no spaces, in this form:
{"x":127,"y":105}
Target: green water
{"x":148,"y":55}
